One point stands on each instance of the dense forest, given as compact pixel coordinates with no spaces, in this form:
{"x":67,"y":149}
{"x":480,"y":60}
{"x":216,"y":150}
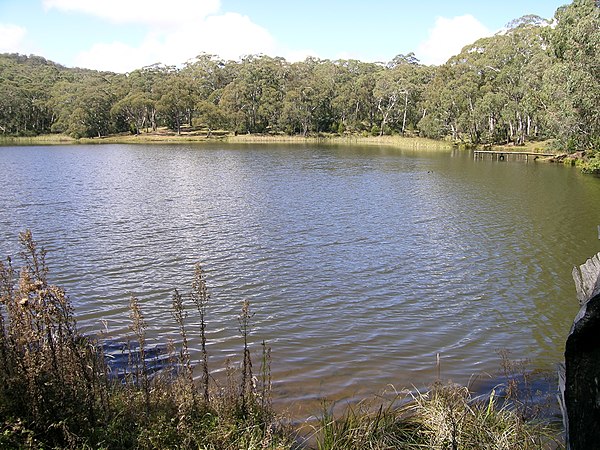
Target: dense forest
{"x":538,"y":79}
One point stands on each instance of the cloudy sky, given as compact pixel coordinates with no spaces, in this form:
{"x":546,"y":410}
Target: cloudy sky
{"x":123,"y":35}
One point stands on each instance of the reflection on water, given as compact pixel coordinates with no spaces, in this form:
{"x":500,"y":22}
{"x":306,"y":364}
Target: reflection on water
{"x":361,"y":264}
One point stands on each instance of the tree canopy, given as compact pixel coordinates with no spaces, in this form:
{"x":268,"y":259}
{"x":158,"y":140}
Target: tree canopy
{"x":537,"y":79}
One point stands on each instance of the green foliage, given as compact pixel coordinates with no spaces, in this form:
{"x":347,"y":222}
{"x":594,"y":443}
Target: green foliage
{"x":83,"y":106}
{"x":25,"y":85}
{"x":592,"y":165}
{"x":530,"y":82}
{"x":574,"y":78}
{"x":492,"y":92}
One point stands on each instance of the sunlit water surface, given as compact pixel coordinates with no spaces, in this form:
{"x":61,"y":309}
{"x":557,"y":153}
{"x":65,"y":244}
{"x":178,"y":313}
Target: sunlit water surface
{"x":361,"y":264}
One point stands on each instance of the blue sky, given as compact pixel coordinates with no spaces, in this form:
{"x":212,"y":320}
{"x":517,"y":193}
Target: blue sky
{"x":122,"y":35}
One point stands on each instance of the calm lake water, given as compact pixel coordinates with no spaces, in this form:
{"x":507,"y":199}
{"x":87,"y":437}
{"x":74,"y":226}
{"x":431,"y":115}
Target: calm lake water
{"x":361,"y":264}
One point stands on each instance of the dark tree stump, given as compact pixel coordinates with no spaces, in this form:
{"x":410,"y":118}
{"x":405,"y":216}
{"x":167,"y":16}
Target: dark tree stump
{"x":580,"y":383}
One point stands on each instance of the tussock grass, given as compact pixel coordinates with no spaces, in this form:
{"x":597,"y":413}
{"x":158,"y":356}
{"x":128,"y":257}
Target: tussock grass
{"x":57,"y":390}
{"x":449,"y":417}
{"x":445,"y":417}
{"x":405,"y":142}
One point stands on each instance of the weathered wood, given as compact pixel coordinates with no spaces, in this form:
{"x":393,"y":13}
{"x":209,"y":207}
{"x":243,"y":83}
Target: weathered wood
{"x":580,"y":387}
{"x":587,"y":279}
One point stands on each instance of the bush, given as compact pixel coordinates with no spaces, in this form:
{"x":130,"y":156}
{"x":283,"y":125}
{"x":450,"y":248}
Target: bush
{"x":431,"y":127}
{"x":592,"y":165}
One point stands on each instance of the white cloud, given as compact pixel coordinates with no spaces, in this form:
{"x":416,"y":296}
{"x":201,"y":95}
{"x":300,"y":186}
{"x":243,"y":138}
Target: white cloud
{"x":149,"y":12}
{"x":116,"y":57}
{"x":297,"y":55}
{"x":231,"y":35}
{"x":177,"y":30}
{"x":228,"y":35}
{"x":448,"y":37}
{"x":11,"y":38}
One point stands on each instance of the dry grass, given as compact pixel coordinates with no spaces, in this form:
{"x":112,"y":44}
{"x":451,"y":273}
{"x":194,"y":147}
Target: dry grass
{"x":445,"y":417}
{"x":416,"y":143}
{"x":164,"y":136}
{"x":44,"y":139}
{"x":529,"y":146}
{"x":57,"y":391}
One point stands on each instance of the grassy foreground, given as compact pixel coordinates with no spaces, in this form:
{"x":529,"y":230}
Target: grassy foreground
{"x":57,"y":389}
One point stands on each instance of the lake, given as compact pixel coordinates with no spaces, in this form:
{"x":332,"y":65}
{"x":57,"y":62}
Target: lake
{"x":361,"y":263}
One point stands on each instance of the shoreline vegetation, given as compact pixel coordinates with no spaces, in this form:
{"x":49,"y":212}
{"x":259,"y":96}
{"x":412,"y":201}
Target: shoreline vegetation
{"x":536,"y":81}
{"x":200,"y":136}
{"x":59,"y":390}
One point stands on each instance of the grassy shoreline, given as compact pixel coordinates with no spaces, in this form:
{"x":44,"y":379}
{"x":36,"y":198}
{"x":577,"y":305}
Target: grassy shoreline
{"x":191,"y":135}
{"x":187,"y":137}
{"x":198,"y":137}
{"x":584,"y":162}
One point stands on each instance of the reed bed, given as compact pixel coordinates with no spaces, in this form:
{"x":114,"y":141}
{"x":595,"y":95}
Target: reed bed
{"x":163,"y":136}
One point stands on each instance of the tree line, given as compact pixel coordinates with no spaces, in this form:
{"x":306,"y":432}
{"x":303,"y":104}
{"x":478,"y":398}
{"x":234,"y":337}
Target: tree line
{"x":537,"y":79}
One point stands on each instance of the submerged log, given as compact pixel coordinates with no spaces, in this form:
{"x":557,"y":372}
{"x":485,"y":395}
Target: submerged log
{"x":580,"y":382}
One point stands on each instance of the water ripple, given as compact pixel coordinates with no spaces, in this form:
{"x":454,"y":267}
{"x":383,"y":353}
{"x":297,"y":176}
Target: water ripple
{"x":361,"y":265}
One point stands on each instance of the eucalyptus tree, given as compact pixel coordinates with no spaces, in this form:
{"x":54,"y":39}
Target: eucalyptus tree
{"x":301,"y":98}
{"x":133,"y":103}
{"x":253,"y":99}
{"x":150,"y":80}
{"x":387,"y":92}
{"x":398,"y":91}
{"x":25,"y":85}
{"x":177,"y":101}
{"x":209,"y":76}
{"x":412,"y":77}
{"x":83,"y":105}
{"x":529,"y":81}
{"x":211,"y":116}
{"x":14,"y":108}
{"x":310,"y":88}
{"x":354,"y":103}
{"x":274,"y":72}
{"x":493,"y":90}
{"x":138,"y":94}
{"x":574,"y":77}
{"x":519,"y":59}
{"x":449,"y":102}
{"x":326,"y":80}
